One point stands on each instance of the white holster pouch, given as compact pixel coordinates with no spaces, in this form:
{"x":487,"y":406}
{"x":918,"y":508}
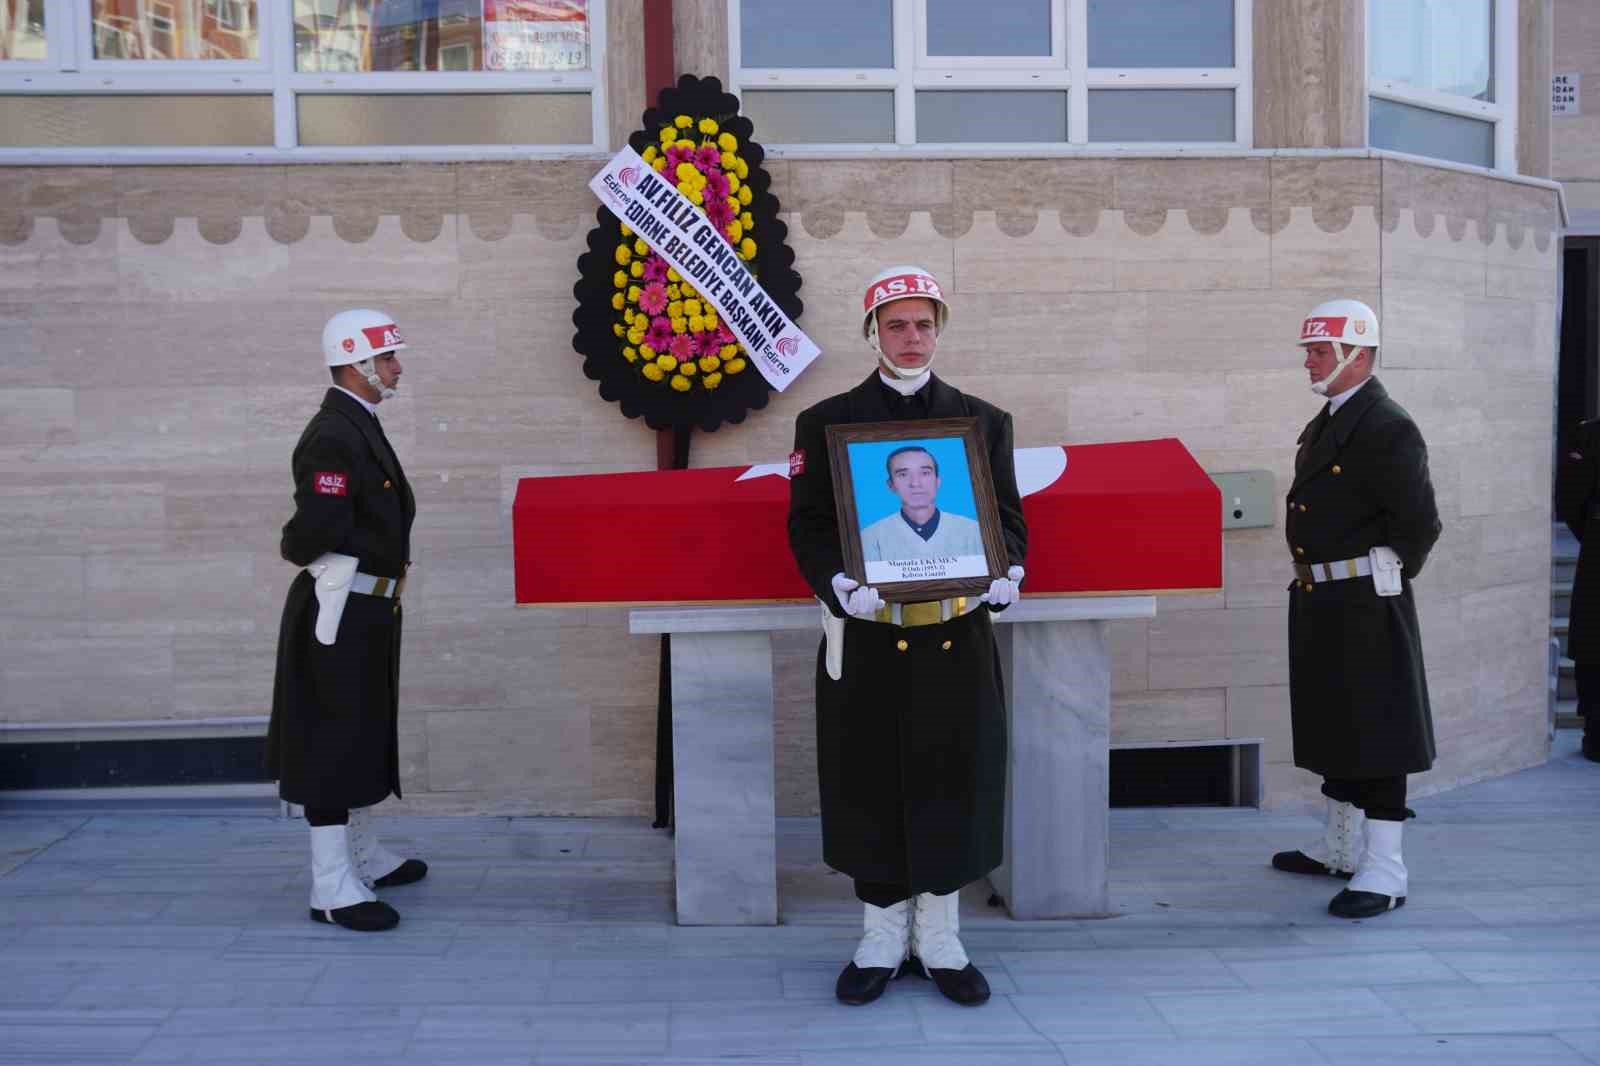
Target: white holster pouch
{"x":833,"y":638}
{"x":1386,"y":567}
{"x":332,"y":575}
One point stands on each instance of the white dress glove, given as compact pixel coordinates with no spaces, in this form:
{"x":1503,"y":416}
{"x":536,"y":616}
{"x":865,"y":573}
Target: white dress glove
{"x":858,"y":600}
{"x":1004,"y":591}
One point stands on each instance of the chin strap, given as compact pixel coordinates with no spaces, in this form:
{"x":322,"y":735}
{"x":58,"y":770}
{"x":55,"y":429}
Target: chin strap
{"x":369,"y":371}
{"x":1321,"y":387}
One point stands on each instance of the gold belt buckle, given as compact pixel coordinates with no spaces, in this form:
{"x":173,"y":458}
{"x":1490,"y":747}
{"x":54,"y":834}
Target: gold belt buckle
{"x":380,"y":586}
{"x":926,"y":613}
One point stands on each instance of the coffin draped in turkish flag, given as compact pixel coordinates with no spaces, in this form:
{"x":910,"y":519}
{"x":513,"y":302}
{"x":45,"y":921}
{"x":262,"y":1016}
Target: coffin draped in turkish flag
{"x":1113,"y":518}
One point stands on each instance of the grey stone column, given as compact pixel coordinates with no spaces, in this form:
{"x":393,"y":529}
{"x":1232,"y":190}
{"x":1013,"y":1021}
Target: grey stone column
{"x":1058,"y":700}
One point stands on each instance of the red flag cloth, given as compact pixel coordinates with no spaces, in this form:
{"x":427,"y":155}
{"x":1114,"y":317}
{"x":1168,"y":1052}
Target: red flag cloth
{"x":1133,"y":517}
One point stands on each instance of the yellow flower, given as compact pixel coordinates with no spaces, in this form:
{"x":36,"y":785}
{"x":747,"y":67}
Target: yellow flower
{"x":675,"y":309}
{"x":635,"y":336}
{"x":633,"y":294}
{"x":687,"y":369}
{"x":727,"y":142}
{"x":624,"y":254}
{"x":747,"y":220}
{"x":696,"y":324}
{"x":668,"y":134}
{"x":747,"y":248}
{"x":653,"y":372}
{"x":742,"y":168}
{"x":619,"y":279}
{"x":616,"y":327}
{"x":666,"y":362}
{"x":684,"y":143}
{"x":735,"y":231}
{"x":683,"y":122}
{"x":692,"y":307}
{"x":730,"y":161}
{"x":636,"y":268}
{"x":707,"y":126}
{"x":733,"y":204}
{"x":733,"y":183}
{"x":673,"y":275}
{"x":616,"y":301}
{"x":641,"y":248}
{"x":711,"y":321}
{"x":744,"y":195}
{"x":696,"y":197}
{"x":660,"y":165}
{"x":708,"y":363}
{"x":680,"y":325}
{"x":648,"y":352}
{"x":628,"y":315}
{"x":711,"y":381}
{"x":627,"y":230}
{"x":729,"y":351}
{"x":680,"y":383}
{"x":686,"y":171}
{"x":630,"y":354}
{"x":650,"y":154}
{"x":674,"y":292}
{"x":733,"y":366}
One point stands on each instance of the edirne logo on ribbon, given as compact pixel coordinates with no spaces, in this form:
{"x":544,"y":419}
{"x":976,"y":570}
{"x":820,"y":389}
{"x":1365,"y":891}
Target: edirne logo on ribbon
{"x":665,"y":220}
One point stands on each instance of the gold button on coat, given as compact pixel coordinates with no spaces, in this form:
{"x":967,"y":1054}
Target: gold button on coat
{"x":1297,"y":551}
{"x":1336,"y":469}
{"x":902,"y":645}
{"x":1306,"y":585}
{"x":1302,"y":508}
{"x":946,"y":645}
{"x":386,"y":483}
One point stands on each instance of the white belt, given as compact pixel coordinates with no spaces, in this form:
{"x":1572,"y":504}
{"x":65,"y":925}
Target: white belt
{"x":385,"y":587}
{"x":1338,"y":570}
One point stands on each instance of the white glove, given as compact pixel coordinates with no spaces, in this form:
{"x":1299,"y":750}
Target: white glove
{"x":1004,"y":591}
{"x":858,"y":600}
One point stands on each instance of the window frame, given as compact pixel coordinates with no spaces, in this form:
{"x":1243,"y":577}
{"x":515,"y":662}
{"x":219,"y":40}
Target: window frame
{"x":914,"y":71}
{"x":1501,"y":112}
{"x":70,"y":69}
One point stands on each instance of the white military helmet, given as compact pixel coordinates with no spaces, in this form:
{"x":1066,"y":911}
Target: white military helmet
{"x":901,"y":283}
{"x":1349,"y":323}
{"x":351,"y":336}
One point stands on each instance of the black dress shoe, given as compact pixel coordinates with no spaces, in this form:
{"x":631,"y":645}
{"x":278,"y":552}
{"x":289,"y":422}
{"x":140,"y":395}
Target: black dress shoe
{"x":1298,"y":862}
{"x":408,"y":872}
{"x":967,"y":987}
{"x":1350,"y":904}
{"x":372,"y":917}
{"x":857,"y":986}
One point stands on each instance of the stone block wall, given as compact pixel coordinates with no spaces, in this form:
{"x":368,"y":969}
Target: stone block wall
{"x":159,"y":335}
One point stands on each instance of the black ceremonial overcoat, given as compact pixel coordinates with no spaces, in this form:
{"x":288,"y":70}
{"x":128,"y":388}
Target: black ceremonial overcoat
{"x":1578,"y":505}
{"x":334,"y":739}
{"x":1357,"y":689}
{"x":911,"y":745}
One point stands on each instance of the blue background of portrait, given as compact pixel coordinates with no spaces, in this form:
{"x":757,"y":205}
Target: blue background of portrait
{"x":874,"y":500}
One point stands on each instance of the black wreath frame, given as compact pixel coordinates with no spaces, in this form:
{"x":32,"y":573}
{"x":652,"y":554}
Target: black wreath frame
{"x":620,"y":381}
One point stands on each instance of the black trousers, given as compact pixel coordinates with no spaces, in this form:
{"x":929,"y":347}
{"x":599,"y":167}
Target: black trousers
{"x":1383,"y":798}
{"x":1588,"y":677}
{"x":317,"y":816}
{"x":880,"y":894}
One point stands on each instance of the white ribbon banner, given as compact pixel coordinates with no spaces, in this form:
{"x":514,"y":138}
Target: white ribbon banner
{"x":675,"y":229}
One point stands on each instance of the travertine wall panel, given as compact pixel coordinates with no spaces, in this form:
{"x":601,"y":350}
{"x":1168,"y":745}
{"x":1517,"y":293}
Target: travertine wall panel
{"x":160,"y":329}
{"x":1309,"y":72}
{"x":1575,"y":139}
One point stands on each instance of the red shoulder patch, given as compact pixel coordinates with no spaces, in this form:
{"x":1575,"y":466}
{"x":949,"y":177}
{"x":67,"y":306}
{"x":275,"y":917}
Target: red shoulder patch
{"x":331,"y":483}
{"x":797,"y":462}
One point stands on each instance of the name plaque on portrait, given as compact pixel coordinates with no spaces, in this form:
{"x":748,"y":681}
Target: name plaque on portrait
{"x":916,"y":505}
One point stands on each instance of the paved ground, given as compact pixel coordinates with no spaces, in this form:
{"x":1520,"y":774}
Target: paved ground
{"x":172,"y":938}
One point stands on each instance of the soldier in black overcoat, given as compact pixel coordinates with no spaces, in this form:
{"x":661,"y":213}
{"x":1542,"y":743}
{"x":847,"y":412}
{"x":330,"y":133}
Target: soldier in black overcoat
{"x":1578,"y":505}
{"x":911,"y":728}
{"x":333,"y":743}
{"x":1361,"y":520}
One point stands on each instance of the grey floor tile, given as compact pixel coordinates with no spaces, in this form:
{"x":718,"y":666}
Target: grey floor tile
{"x":1221,"y":1051}
{"x":42,"y":1035}
{"x":1585,"y":1042}
{"x":1451,"y":1050}
{"x":1092,"y":1016}
{"x":1522,"y":964}
{"x":306,"y":939}
{"x":1298,"y":965}
{"x":815,"y":980}
{"x":1297,"y":1013}
{"x":704,"y":1029}
{"x":638,"y":1030}
{"x":1525,"y":1008}
{"x":1130,"y":969}
{"x":997,"y":1022}
{"x":940,"y":1055}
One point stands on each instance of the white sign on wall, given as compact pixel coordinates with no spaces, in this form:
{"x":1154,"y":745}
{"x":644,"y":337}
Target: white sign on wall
{"x":1566,"y":94}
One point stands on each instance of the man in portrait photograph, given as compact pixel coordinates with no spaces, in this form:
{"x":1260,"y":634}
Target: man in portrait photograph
{"x":919,"y":529}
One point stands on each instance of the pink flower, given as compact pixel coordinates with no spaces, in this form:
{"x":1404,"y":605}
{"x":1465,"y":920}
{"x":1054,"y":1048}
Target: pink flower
{"x":654,"y":298}
{"x":655,"y":269}
{"x":717,"y":185}
{"x":720,"y":214}
{"x":708,"y":159}
{"x":681,"y":347}
{"x":724,"y":334}
{"x":678,"y":155}
{"x":706,"y":342}
{"x":659,"y":335}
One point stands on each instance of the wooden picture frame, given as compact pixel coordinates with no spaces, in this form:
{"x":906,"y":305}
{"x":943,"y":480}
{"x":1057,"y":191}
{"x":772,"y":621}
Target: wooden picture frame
{"x":937,"y":563}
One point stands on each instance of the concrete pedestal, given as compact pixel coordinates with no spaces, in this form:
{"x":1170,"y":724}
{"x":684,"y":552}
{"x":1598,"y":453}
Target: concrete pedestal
{"x":1058,"y":695}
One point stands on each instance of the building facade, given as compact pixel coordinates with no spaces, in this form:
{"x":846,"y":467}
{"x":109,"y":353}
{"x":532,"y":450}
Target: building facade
{"x":1133,"y":204}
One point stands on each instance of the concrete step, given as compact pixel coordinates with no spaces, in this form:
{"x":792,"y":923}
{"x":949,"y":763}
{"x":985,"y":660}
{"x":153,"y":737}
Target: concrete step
{"x":1567,"y":715}
{"x":1558,"y":630}
{"x":1566,"y":680}
{"x":1562,"y":571}
{"x":1560,"y":600}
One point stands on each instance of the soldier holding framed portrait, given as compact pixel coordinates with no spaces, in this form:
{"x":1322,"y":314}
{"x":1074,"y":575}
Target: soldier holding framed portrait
{"x":911,"y":728}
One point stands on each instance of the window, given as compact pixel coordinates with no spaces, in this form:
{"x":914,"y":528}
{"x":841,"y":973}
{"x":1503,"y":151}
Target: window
{"x":341,"y":76}
{"x":840,"y":73}
{"x":1441,"y":78}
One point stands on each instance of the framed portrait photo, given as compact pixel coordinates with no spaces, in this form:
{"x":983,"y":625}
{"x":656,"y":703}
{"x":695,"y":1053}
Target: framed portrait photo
{"x":916,"y":506}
